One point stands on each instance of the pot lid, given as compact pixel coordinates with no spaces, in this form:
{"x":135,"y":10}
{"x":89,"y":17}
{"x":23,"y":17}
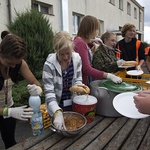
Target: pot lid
{"x":121,"y":87}
{"x":85,"y":100}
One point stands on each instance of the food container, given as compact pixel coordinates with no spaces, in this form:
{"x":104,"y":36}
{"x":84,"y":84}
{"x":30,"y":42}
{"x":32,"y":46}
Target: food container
{"x":86,"y":105}
{"x":70,"y":133}
{"x":45,"y":116}
{"x":105,"y":91}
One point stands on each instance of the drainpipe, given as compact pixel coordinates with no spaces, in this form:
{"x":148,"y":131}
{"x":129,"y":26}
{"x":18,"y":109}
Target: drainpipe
{"x":9,"y":11}
{"x":64,"y":15}
{"x":60,"y":15}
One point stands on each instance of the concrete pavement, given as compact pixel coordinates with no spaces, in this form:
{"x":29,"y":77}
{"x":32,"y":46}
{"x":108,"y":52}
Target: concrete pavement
{"x":23,"y":131}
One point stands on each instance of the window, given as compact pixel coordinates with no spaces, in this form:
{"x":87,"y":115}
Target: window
{"x":101,"y":29}
{"x":140,"y":15}
{"x":43,"y":8}
{"x":121,"y":4}
{"x":112,"y":2}
{"x":76,"y":21}
{"x":135,"y":13}
{"x":128,"y":8}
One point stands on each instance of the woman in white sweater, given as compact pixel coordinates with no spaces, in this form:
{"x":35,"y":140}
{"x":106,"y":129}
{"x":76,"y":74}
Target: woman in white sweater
{"x":62,"y":70}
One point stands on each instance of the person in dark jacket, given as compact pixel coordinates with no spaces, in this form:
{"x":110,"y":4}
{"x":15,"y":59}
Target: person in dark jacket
{"x":131,"y":48}
{"x":104,"y":57}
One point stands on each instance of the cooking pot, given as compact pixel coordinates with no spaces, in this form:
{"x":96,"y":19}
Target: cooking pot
{"x":105,"y":91}
{"x":85,"y":105}
{"x":69,"y":133}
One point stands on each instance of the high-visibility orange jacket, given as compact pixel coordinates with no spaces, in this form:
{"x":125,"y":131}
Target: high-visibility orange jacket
{"x":147,"y":50}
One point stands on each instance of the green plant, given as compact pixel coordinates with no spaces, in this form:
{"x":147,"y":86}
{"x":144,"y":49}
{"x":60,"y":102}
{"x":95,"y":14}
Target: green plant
{"x":21,"y":94}
{"x":37,"y":33}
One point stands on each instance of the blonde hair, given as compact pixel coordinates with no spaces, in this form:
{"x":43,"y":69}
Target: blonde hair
{"x":125,"y":28}
{"x":62,"y":40}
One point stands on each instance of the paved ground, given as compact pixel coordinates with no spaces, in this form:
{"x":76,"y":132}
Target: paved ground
{"x":23,"y":131}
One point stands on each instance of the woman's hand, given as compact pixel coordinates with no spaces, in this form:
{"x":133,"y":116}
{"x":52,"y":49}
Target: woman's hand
{"x":59,"y":120}
{"x":114,"y":78}
{"x":21,"y":113}
{"x":120,"y":62}
{"x":34,"y":90}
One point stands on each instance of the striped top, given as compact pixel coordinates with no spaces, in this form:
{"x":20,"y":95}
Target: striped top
{"x":67,"y":82}
{"x":53,"y":78}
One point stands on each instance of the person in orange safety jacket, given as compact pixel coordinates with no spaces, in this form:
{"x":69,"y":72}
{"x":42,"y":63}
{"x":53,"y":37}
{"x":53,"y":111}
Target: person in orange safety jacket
{"x":130,"y":48}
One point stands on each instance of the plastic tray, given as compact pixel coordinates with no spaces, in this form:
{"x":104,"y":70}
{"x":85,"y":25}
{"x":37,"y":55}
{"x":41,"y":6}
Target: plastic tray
{"x":140,"y":80}
{"x":46,"y":117}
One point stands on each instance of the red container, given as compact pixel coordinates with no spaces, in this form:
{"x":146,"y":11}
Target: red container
{"x":86,"y":105}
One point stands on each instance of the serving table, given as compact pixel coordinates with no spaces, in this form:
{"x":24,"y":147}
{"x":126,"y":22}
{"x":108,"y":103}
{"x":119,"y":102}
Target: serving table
{"x":104,"y":133}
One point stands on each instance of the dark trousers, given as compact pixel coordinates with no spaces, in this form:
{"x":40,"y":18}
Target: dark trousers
{"x":7,"y":128}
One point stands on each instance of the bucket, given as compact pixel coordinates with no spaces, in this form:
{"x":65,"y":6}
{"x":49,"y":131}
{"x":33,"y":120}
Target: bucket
{"x":85,"y":105}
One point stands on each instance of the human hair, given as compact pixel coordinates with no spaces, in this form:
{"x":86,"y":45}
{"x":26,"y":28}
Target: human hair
{"x":4,"y":33}
{"x":125,"y":28}
{"x":62,"y":40}
{"x":106,"y":35}
{"x":145,"y":44}
{"x":88,"y":25}
{"x":12,"y":46}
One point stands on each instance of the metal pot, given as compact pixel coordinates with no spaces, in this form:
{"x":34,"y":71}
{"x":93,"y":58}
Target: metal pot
{"x":105,"y":91}
{"x":69,"y":133}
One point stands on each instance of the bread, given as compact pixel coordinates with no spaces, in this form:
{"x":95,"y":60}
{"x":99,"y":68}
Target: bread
{"x":129,"y":63}
{"x":80,"y":88}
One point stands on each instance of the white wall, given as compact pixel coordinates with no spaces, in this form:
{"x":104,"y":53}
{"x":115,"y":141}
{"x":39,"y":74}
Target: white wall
{"x":111,"y":16}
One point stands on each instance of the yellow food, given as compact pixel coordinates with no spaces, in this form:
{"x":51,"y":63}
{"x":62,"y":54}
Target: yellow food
{"x":73,"y":122}
{"x":130,"y":63}
{"x":80,"y":88}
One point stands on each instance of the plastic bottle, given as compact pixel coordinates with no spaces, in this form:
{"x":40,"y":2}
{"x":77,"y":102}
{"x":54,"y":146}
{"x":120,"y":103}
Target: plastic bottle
{"x":36,"y":120}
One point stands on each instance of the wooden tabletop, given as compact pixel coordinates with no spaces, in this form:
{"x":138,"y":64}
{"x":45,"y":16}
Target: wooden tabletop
{"x":103,"y":133}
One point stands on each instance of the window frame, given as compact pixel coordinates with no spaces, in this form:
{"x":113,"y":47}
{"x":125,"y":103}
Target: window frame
{"x":128,"y":8}
{"x":112,"y":2}
{"x":76,"y":19}
{"x":40,"y":5}
{"x":121,"y":4}
{"x":135,"y":13}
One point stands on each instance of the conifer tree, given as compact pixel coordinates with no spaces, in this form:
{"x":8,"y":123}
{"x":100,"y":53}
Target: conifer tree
{"x":37,"y":33}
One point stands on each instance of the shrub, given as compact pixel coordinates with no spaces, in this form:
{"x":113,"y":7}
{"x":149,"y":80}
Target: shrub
{"x":37,"y":33}
{"x":21,"y":94}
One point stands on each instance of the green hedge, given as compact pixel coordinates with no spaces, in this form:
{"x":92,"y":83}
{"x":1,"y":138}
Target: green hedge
{"x":36,"y":31}
{"x":21,"y":94}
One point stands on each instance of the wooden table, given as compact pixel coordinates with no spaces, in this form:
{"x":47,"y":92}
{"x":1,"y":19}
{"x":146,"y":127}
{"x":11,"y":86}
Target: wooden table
{"x":103,"y":133}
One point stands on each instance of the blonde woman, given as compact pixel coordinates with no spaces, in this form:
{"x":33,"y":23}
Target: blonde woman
{"x":62,"y":69}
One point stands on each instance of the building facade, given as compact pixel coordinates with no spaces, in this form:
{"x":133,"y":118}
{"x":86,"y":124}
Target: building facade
{"x":67,"y":14}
